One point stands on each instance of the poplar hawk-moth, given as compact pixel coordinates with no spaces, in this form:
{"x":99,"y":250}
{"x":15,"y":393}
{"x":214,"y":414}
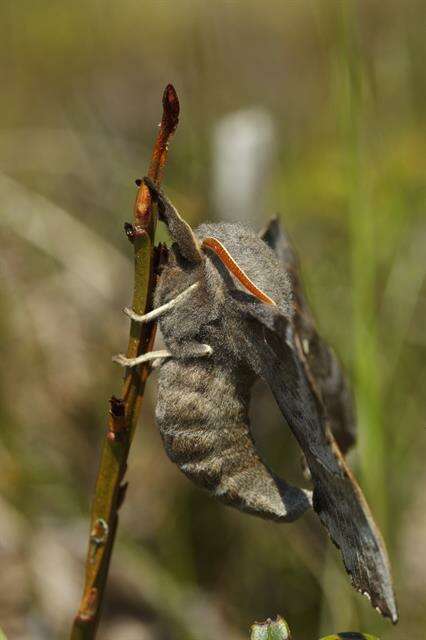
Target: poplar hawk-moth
{"x":231,"y":310}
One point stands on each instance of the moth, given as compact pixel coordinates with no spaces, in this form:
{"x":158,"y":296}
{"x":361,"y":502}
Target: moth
{"x":231,"y":309}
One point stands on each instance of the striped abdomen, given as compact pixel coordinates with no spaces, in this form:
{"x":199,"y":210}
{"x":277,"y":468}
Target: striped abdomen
{"x":202,"y":413}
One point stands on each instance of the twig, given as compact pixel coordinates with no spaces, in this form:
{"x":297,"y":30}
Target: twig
{"x":124,"y":412}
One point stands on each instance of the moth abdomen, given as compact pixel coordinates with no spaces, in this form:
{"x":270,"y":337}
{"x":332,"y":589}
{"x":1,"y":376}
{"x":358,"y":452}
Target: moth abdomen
{"x":202,"y":414}
{"x":195,"y":407}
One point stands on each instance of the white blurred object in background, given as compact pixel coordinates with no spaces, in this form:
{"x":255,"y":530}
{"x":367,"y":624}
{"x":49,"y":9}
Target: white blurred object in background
{"x":243,"y":153}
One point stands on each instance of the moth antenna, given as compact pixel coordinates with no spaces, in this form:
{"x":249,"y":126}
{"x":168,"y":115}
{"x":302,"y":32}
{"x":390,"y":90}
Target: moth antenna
{"x":145,"y":357}
{"x":180,"y":230}
{"x":224,"y":255}
{"x":159,"y":311}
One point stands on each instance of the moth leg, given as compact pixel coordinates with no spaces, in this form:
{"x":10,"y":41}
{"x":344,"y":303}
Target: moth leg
{"x":157,"y":362}
{"x":144,"y":357}
{"x":159,"y":311}
{"x":192,"y":350}
{"x":180,"y":230}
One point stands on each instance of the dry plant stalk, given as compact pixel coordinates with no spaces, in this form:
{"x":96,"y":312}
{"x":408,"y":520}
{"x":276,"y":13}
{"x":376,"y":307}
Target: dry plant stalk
{"x":124,"y":412}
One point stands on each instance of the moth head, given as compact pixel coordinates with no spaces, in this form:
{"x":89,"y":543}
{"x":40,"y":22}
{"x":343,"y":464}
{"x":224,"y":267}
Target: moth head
{"x":189,"y":252}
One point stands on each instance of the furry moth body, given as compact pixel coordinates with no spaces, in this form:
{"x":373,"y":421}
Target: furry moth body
{"x":238,"y":324}
{"x":202,"y":408}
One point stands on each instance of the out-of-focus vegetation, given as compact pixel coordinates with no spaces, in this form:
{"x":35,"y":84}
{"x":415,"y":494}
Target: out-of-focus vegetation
{"x":341,"y":83}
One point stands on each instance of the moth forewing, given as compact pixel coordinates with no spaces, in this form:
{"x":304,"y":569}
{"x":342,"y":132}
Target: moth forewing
{"x":337,"y":498}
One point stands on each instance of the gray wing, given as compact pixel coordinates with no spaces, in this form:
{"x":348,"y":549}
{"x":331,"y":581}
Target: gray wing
{"x":324,"y":365}
{"x":274,"y":352}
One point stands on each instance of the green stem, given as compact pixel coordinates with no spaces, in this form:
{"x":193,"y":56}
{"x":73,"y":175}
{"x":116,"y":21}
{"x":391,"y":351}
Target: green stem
{"x":124,"y":412}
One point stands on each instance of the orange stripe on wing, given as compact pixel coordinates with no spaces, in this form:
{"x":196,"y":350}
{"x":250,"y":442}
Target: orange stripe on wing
{"x":229,"y":262}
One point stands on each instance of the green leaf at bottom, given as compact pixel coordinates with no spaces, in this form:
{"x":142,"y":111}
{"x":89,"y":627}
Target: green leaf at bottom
{"x":270,"y":630}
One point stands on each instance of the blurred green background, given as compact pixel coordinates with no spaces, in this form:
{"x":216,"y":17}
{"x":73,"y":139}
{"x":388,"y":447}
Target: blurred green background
{"x":323,"y":105}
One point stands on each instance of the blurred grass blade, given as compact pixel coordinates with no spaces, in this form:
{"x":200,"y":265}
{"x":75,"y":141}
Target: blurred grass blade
{"x":56,"y":232}
{"x":363,"y":229}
